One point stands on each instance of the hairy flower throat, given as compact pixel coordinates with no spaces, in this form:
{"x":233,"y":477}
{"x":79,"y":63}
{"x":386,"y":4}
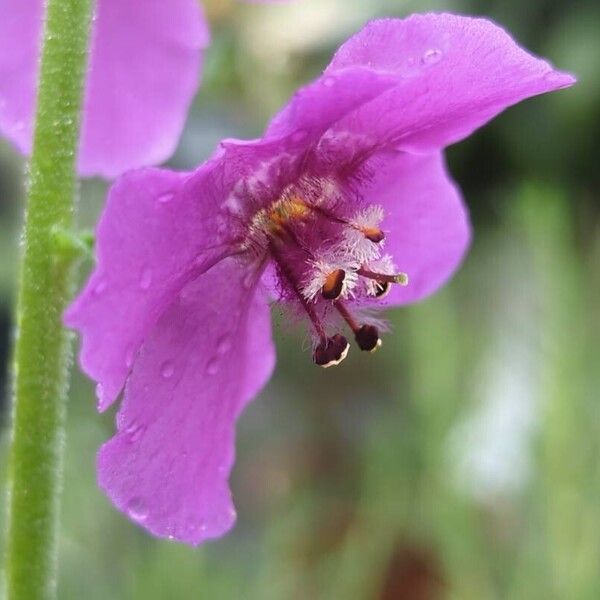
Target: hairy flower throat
{"x":327,"y":255}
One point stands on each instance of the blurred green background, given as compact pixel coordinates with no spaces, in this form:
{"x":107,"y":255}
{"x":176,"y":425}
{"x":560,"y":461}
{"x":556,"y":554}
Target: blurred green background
{"x":461,"y":461}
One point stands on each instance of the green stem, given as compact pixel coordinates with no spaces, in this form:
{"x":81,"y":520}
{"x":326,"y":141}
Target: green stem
{"x":42,"y":346}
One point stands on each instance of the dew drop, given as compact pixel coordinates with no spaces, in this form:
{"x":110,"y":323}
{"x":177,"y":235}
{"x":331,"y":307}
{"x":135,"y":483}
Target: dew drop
{"x":191,"y":525}
{"x":249,"y":280}
{"x":137,"y":509}
{"x":100,"y":287}
{"x":164,"y":198}
{"x":212,"y":367}
{"x":224,"y":345}
{"x":431,"y":56}
{"x":134,"y":432}
{"x":129,"y":357}
{"x":299,"y":135}
{"x":100,"y":393}
{"x":167,"y":369}
{"x":329,"y":81}
{"x":146,"y":279}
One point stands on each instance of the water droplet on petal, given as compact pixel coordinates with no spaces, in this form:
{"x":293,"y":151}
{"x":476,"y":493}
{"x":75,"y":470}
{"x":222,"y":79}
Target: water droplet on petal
{"x":164,"y":198}
{"x":249,"y":280}
{"x":134,"y":432}
{"x":146,"y":279}
{"x":224,"y":345}
{"x":299,"y":135}
{"x":129,"y":357}
{"x":137,"y":509}
{"x":100,"y":287}
{"x":167,"y":369}
{"x":212,"y":367}
{"x":191,"y":525}
{"x":329,"y":81}
{"x":431,"y":56}
{"x":100,"y":393}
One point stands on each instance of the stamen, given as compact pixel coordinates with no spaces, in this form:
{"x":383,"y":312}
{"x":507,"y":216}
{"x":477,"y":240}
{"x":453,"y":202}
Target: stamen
{"x":334,"y":285}
{"x":373,"y":234}
{"x":366,"y":336}
{"x":399,"y":278}
{"x":382,"y":289}
{"x":309,"y":308}
{"x":329,"y":279}
{"x":331,"y":351}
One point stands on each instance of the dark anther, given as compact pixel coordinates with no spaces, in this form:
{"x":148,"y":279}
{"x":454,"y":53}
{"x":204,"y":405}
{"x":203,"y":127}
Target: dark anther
{"x":334,"y":284}
{"x":382,"y":288}
{"x":331,"y":351}
{"x":367,"y":338}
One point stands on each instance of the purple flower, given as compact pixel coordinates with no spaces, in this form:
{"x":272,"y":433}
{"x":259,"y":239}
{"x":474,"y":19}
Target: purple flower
{"x":346,"y":192}
{"x":144,"y":71}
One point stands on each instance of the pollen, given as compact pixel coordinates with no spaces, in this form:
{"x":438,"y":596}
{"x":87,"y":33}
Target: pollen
{"x":286,"y":210}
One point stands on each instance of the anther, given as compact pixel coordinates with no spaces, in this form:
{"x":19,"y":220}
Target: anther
{"x":367,"y":338}
{"x":334,"y":285}
{"x":382,"y":289}
{"x":331,"y":351}
{"x":373,"y":234}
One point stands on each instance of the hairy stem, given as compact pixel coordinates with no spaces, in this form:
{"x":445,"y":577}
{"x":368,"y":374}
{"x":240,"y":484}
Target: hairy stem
{"x":42,"y":345}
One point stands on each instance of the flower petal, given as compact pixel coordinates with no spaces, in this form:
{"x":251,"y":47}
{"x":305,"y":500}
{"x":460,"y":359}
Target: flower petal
{"x":453,"y":75}
{"x":20,"y":30}
{"x":160,"y":229}
{"x":211,"y":352}
{"x":315,"y":107}
{"x":148,"y":239}
{"x":426,"y":223}
{"x":144,"y":72}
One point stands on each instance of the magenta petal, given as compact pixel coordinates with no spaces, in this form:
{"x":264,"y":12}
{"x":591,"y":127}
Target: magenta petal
{"x":144,"y":72}
{"x":210,"y":353}
{"x":20,"y":30}
{"x":147,"y":241}
{"x":426,"y":223}
{"x":453,"y":74}
{"x":318,"y":105}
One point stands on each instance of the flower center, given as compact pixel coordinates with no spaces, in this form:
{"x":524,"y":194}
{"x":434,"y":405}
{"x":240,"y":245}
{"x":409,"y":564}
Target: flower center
{"x":328,"y":254}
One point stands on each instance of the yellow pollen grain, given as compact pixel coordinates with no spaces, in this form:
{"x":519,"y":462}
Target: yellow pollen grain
{"x":286,"y":210}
